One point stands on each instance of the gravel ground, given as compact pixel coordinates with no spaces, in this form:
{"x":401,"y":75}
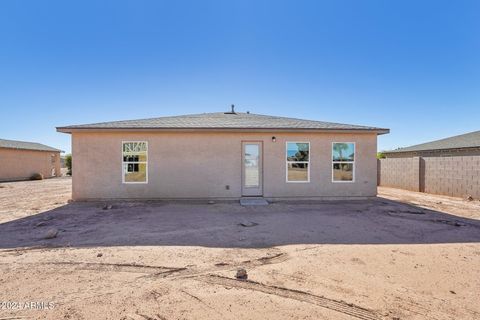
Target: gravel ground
{"x":404,"y":255}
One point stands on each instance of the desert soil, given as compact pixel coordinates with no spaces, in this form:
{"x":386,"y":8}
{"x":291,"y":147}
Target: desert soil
{"x":404,"y":255}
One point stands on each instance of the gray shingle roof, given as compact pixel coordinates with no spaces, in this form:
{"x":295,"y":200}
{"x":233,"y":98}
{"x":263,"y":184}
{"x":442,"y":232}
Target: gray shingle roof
{"x":221,"y":120}
{"x":467,"y":140}
{"x":14,"y":144}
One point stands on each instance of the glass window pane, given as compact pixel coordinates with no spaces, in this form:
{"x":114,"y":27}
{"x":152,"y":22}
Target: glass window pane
{"x":134,"y":157}
{"x":251,"y":158}
{"x":134,"y":147}
{"x":297,"y":171}
{"x":297,"y":151}
{"x":343,"y":172}
{"x":135,"y":173}
{"x":343,"y":152}
{"x":134,"y":151}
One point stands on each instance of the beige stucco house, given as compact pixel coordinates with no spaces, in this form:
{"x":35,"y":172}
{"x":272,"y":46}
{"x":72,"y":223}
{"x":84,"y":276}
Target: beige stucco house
{"x":21,"y":159}
{"x":223,"y":156}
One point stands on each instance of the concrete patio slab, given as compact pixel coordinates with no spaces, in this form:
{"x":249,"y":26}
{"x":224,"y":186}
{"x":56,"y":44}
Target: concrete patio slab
{"x":253,"y":202}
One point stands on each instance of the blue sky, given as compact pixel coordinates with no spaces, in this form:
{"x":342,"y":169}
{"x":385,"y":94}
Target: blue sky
{"x":411,"y":66}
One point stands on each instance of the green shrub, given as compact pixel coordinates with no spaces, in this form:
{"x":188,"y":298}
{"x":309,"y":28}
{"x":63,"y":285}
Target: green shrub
{"x":36,"y":176}
{"x":380,"y":155}
{"x":68,"y":164}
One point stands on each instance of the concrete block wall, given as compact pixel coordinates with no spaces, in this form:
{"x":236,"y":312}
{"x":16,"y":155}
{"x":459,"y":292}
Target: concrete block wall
{"x":451,"y":176}
{"x":402,"y":173}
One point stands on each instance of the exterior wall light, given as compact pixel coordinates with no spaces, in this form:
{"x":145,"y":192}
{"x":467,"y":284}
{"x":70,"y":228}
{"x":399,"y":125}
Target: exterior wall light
{"x":274,"y":139}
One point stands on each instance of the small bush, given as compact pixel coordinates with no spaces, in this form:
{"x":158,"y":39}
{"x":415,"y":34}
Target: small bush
{"x":381,"y":155}
{"x":36,"y":176}
{"x":68,"y":164}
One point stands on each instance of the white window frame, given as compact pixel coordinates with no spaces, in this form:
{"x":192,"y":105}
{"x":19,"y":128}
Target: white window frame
{"x":53,"y":163}
{"x":287,"y":162}
{"x":353,"y":162}
{"x":139,"y":162}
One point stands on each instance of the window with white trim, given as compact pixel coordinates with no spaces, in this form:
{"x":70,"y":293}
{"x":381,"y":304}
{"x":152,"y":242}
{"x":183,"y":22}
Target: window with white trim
{"x":298,"y":161}
{"x":135,"y":164}
{"x":343,"y":162}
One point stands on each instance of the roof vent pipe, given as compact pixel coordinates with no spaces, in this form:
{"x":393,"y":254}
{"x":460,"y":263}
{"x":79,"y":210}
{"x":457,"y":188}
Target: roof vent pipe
{"x":232,"y":111}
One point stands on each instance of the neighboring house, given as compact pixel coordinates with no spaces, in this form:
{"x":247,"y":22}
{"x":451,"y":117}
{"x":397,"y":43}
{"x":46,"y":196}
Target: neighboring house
{"x":63,"y":162}
{"x":21,"y":159}
{"x":462,"y":145}
{"x":223,"y":156}
{"x":448,"y":166}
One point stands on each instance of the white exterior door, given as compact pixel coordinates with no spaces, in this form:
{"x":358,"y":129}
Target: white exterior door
{"x":252,"y":168}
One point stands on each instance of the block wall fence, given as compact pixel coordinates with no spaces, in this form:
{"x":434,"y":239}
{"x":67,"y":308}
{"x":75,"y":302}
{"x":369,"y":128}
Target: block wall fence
{"x":450,"y":176}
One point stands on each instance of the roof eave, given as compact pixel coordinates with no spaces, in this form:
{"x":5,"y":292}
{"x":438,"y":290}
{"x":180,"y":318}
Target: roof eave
{"x":70,"y":130}
{"x":31,"y":149}
{"x":429,"y":150}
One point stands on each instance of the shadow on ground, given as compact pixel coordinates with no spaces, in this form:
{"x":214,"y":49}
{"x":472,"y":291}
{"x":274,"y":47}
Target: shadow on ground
{"x":377,"y":221}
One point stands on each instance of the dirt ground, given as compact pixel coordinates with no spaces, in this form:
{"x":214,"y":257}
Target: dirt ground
{"x":403,"y":255}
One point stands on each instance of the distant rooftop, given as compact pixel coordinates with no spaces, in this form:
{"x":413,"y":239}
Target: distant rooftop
{"x":25,"y":145}
{"x":467,"y":140}
{"x":222,"y":120}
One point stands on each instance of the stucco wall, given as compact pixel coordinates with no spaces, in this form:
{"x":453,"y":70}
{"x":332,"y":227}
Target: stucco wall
{"x":18,"y":164}
{"x":200,"y":165}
